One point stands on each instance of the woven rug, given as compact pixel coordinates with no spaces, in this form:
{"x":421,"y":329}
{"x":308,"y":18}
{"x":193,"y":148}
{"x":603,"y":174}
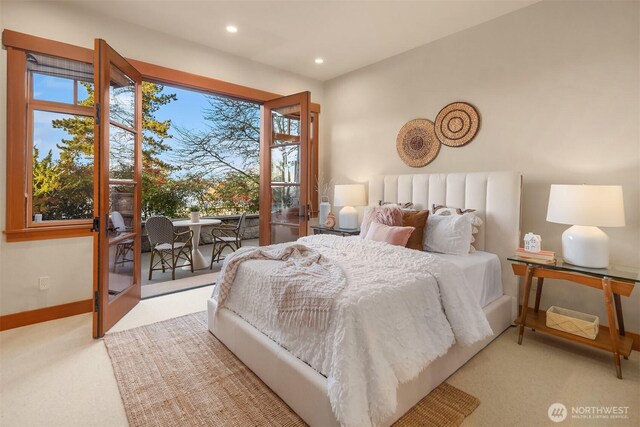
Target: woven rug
{"x":176,"y":373}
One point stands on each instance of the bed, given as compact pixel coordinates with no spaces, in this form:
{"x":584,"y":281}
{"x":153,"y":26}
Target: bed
{"x":496,"y":197}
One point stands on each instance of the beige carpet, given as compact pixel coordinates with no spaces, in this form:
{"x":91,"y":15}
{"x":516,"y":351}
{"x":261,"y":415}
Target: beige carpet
{"x":175,"y":372}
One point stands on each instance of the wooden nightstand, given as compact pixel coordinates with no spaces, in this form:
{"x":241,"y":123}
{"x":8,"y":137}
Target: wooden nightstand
{"x":613,"y":281}
{"x":318,"y":229}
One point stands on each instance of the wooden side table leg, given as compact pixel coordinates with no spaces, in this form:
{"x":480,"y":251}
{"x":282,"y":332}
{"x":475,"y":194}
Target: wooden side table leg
{"x":525,"y":302}
{"x":538,"y":294}
{"x":616,"y":300}
{"x":536,"y":307}
{"x":618,"y":304}
{"x":608,"y":302}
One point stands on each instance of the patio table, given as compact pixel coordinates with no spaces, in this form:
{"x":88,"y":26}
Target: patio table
{"x":199,"y":262}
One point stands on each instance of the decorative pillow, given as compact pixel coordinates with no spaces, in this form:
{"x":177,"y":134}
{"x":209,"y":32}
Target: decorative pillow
{"x":408,"y":205}
{"x":387,"y":215}
{"x":418,"y":220}
{"x":385,"y":233}
{"x":449,"y":234}
{"x":446,"y":210}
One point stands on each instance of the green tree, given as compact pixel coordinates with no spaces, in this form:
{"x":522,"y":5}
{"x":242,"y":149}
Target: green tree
{"x":236,"y":193}
{"x":76,"y":158}
{"x":45,"y":181}
{"x":74,"y":196}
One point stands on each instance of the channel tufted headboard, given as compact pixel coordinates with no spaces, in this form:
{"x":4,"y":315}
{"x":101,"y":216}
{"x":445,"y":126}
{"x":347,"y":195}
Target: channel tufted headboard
{"x":496,"y":196}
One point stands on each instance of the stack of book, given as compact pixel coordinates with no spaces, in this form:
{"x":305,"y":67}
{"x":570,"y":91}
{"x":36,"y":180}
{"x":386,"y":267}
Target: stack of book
{"x":547,"y":257}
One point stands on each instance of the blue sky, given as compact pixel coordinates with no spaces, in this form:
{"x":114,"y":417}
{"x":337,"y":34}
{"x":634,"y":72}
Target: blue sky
{"x":186,"y":112}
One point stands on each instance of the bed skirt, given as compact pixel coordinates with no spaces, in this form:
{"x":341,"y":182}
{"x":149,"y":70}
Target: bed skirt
{"x":305,"y":390}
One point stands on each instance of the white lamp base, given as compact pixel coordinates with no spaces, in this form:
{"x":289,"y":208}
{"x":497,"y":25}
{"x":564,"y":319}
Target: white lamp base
{"x":585,"y":246}
{"x":348,"y":218}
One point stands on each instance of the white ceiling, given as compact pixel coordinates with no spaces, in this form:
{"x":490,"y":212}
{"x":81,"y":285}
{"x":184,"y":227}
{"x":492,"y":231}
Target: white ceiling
{"x":290,"y":34}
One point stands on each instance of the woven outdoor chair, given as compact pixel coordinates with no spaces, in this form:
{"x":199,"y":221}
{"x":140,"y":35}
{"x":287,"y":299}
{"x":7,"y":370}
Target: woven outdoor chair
{"x":227,"y":236}
{"x":124,"y":248}
{"x":166,"y":244}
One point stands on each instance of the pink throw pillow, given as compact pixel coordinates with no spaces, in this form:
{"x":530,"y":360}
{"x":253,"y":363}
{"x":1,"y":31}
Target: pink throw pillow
{"x":390,"y":234}
{"x":387,"y":215}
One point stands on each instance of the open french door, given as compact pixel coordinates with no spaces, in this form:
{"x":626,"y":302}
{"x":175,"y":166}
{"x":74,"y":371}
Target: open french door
{"x":284,"y":168}
{"x":117,"y":193}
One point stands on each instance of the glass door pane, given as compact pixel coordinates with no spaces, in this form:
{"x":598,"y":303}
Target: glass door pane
{"x":284,"y":169}
{"x":118,"y":192}
{"x":121,"y":239}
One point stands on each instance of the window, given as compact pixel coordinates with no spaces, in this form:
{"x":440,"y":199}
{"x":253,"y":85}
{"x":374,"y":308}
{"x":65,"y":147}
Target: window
{"x":49,"y":139}
{"x":59,"y":141}
{"x":50,"y":125}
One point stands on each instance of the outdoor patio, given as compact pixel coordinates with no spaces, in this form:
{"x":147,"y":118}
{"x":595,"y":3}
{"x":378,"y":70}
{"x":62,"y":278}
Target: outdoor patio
{"x":162,"y":284}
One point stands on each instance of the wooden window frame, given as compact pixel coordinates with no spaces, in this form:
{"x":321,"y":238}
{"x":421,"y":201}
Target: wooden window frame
{"x":18,"y":226}
{"x":20,"y":108}
{"x":54,"y":107}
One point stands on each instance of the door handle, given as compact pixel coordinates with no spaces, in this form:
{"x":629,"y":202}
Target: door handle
{"x":96,"y":225}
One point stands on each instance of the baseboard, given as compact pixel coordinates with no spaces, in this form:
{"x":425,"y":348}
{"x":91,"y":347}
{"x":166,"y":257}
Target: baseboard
{"x":25,"y":318}
{"x":636,"y":340}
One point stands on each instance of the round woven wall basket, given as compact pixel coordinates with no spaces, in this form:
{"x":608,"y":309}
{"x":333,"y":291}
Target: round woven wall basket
{"x":417,"y":143}
{"x":457,"y":124}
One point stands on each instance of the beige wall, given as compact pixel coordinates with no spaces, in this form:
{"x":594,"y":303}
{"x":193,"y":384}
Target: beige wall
{"x":68,"y":262}
{"x":557,"y":86}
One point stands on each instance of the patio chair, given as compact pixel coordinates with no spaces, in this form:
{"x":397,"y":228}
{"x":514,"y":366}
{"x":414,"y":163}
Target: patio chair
{"x":166,"y":244}
{"x":227,"y":236}
{"x":123,"y":247}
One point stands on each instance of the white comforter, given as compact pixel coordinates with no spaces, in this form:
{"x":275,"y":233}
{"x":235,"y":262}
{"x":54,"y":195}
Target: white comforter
{"x":400,"y":310}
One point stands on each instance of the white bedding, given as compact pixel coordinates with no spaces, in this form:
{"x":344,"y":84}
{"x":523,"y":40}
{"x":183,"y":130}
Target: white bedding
{"x":388,"y":323}
{"x":483,"y":273}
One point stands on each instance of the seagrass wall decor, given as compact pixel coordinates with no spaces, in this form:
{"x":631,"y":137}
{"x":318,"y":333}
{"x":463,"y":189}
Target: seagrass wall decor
{"x":417,"y":143}
{"x":457,"y":124}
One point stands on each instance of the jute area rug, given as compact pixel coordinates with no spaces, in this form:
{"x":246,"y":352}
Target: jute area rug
{"x":176,"y":373}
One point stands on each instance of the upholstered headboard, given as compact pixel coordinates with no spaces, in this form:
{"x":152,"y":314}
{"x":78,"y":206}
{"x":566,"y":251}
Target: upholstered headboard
{"x":494,"y":195}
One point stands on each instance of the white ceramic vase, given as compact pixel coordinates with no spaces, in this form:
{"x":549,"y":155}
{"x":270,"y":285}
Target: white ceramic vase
{"x":195,"y":216}
{"x":324,"y":209}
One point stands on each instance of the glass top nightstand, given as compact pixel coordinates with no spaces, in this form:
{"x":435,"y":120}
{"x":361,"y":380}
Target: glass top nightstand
{"x":614,"y":282}
{"x":630,"y":274}
{"x":319,"y":229}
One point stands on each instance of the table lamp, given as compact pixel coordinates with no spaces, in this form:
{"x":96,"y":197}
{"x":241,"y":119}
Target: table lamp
{"x":349,"y":196}
{"x":586,"y":207}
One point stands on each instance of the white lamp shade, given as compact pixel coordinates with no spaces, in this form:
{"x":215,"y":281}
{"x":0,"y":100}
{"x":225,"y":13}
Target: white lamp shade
{"x":589,"y":205}
{"x":349,"y":195}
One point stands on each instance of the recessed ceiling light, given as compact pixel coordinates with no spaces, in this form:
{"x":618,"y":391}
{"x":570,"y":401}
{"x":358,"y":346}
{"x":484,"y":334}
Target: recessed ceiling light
{"x":319,"y":60}
{"x":232,"y":29}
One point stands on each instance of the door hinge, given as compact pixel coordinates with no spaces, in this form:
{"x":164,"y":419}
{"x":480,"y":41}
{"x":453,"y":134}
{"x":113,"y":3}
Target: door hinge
{"x":96,"y":301}
{"x":96,"y":225}
{"x":97,"y":114}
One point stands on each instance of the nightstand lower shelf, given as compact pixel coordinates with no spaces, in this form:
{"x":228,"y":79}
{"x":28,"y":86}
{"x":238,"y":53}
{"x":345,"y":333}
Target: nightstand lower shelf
{"x":538,"y":321}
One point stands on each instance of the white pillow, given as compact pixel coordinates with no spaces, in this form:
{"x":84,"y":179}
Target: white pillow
{"x":449,"y":234}
{"x":445,"y":210}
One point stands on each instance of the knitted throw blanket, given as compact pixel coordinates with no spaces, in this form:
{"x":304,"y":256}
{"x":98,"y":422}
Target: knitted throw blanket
{"x":304,"y":286}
